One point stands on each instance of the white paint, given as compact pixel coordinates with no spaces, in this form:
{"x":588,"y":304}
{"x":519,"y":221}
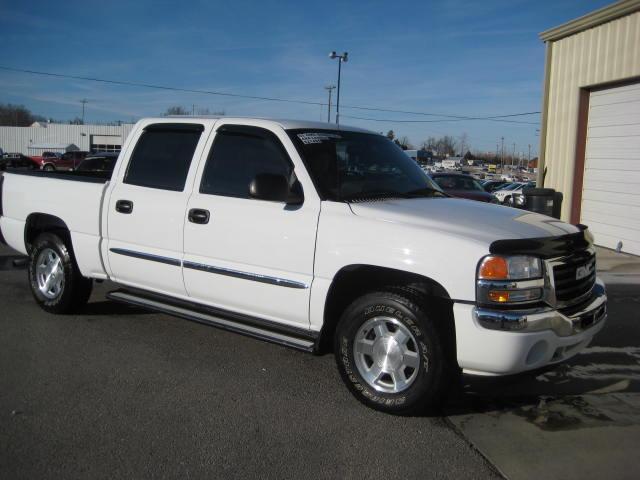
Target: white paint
{"x":440,"y":238}
{"x":610,"y":197}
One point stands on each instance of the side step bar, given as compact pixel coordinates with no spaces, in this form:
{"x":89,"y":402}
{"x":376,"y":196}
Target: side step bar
{"x":217,"y":319}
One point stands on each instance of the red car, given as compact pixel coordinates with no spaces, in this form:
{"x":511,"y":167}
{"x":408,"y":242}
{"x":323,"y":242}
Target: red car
{"x":55,"y":161}
{"x":463,"y":186}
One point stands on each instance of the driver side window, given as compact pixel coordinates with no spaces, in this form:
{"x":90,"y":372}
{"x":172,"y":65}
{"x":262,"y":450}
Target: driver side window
{"x":239,"y":154}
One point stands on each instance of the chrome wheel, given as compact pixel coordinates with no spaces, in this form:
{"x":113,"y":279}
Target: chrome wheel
{"x":49,"y":273}
{"x":386,"y":354}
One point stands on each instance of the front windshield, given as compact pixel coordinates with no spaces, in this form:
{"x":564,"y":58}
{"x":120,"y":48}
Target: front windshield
{"x":347,"y":166}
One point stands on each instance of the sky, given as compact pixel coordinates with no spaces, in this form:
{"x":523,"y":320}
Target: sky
{"x":453,"y":57}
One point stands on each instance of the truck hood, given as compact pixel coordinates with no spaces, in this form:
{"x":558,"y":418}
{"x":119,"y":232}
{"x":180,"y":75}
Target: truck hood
{"x":483,"y":222}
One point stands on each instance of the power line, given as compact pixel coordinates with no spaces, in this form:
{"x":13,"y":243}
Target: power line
{"x":158,"y":87}
{"x":392,"y":120}
{"x":458,"y":117}
{"x":256,"y":97}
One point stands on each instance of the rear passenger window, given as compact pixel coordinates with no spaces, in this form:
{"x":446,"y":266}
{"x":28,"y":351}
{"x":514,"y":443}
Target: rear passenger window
{"x":162,"y":156}
{"x":237,"y":156}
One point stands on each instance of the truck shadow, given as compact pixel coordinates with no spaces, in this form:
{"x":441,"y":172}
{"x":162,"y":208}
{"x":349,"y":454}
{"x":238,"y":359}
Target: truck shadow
{"x":107,"y":307}
{"x":600,"y":386}
{"x":13,"y":262}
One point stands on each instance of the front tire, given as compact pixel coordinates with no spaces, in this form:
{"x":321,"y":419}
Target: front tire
{"x":391,"y":354}
{"x":55,"y":280}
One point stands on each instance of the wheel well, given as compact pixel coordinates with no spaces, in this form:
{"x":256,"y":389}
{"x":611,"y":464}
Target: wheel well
{"x":38,"y":223}
{"x":354,"y":281}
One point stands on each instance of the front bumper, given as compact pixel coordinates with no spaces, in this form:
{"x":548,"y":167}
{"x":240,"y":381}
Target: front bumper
{"x":564,"y":324}
{"x":501,"y":342}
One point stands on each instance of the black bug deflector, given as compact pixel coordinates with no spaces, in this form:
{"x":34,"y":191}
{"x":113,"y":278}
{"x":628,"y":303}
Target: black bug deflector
{"x":546,"y":247}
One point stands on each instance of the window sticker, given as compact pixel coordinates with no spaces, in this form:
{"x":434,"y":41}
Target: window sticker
{"x":316,"y":137}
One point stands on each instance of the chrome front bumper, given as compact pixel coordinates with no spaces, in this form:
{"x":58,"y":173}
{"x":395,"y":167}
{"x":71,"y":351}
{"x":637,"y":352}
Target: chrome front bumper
{"x":573,"y":321}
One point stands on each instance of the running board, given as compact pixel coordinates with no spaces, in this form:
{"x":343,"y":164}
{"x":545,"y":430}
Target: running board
{"x":217,"y":320}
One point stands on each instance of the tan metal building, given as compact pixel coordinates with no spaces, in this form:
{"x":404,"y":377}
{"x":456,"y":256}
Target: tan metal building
{"x":590,"y":133}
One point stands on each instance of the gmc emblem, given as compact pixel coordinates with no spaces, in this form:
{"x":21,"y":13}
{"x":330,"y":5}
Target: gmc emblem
{"x":584,"y":271}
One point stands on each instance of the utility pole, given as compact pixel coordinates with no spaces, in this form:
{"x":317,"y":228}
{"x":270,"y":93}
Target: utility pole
{"x":502,"y":155}
{"x":513,"y":155}
{"x":83,"y":102}
{"x":193,"y":109}
{"x":329,"y":88}
{"x":529,"y":161}
{"x":341,"y":58}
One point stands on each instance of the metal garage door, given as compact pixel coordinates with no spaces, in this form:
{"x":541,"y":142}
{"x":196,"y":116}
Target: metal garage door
{"x":105,"y":143}
{"x":611,"y":188}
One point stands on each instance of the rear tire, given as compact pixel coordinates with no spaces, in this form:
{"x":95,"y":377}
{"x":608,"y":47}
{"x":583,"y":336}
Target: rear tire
{"x":55,"y":280}
{"x":392,"y":355}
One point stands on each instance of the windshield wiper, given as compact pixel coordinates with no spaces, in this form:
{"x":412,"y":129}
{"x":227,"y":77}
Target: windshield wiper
{"x":424,"y":192}
{"x":417,"y":193}
{"x":362,"y":196}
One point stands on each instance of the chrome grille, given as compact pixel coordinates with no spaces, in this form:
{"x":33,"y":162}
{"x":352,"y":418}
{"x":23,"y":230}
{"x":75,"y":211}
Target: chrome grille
{"x":568,"y":286}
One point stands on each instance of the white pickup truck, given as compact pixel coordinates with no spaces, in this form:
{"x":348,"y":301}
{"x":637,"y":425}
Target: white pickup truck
{"x":315,"y":237}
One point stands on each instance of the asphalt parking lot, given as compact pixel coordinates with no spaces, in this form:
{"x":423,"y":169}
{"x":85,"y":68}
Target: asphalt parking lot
{"x":117,"y":392}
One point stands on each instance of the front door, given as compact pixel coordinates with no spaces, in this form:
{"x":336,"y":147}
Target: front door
{"x":250,"y":256}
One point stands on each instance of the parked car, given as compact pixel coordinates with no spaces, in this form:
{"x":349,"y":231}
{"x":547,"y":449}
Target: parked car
{"x":51,"y":161}
{"x":493,"y":185}
{"x":508,"y":194}
{"x":311,"y":236}
{"x":17,"y":160}
{"x":71,"y":160}
{"x":47,"y":161}
{"x":504,"y":192}
{"x":517,"y":199}
{"x":463,"y":186}
{"x":103,"y":162}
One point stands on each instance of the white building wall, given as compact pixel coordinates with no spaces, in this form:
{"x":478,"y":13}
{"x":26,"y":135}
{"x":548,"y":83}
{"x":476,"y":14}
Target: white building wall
{"x":18,"y":139}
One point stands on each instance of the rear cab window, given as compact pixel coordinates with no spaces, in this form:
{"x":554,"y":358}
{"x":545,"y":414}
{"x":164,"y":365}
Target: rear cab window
{"x":162,"y":156}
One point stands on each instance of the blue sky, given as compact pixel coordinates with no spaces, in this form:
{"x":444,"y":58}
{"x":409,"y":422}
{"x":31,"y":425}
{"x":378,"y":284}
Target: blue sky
{"x":447,"y":56}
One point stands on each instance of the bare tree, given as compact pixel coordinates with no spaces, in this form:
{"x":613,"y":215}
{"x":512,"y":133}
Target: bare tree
{"x":206,"y":111}
{"x":176,"y":110}
{"x":404,"y":143}
{"x":17,"y":116}
{"x":464,"y":143}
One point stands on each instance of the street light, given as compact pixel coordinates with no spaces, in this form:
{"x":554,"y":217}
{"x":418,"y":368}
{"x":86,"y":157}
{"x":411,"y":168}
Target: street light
{"x":341,"y":58}
{"x":329,"y":88}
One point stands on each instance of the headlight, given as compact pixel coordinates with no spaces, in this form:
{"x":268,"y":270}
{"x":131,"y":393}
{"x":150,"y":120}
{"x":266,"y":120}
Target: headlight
{"x":506,"y":280}
{"x":517,"y":267}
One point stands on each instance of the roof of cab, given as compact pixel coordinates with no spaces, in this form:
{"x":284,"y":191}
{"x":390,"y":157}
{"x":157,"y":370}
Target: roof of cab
{"x":287,"y":124}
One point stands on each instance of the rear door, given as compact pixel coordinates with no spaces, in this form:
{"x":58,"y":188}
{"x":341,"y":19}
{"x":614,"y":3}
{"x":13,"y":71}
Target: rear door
{"x":251,"y":256}
{"x":147,"y":207}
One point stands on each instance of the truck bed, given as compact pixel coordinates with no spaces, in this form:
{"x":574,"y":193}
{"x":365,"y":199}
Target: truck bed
{"x":74,"y":198}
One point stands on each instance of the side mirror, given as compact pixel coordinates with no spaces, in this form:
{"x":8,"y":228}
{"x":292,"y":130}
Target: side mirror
{"x":274,"y":188}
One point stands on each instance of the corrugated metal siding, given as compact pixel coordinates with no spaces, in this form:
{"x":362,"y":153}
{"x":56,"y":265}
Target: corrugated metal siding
{"x":607,"y":53}
{"x":18,"y":139}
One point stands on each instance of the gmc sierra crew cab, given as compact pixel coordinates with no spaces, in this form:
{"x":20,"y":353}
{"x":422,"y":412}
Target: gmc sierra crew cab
{"x":316,"y":237}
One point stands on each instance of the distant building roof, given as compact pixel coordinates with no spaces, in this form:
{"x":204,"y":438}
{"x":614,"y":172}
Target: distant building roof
{"x":67,"y":147}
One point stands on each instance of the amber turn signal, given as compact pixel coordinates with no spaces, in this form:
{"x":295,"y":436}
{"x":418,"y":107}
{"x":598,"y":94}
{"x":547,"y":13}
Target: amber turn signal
{"x":494,"y":268}
{"x":499,"y":296}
